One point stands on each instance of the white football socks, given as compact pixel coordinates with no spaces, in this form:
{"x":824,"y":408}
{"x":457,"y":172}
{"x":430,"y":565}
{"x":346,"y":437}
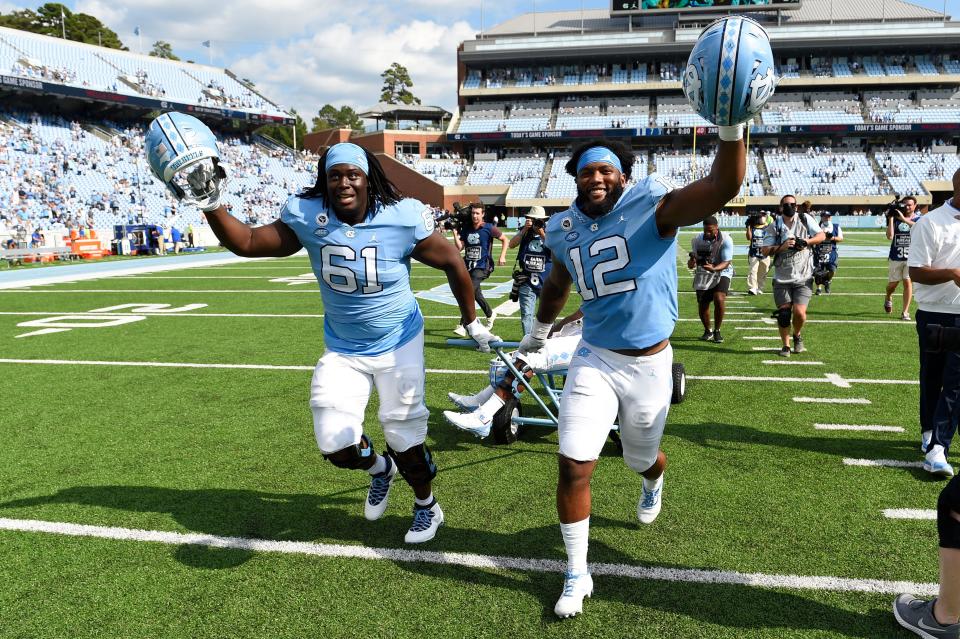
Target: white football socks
{"x":378,"y":466}
{"x":576,"y":538}
{"x":489,"y":407}
{"x":423,"y":502}
{"x":650,"y":484}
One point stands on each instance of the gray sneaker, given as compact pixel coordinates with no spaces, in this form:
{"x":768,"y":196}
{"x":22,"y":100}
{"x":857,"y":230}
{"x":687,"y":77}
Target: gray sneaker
{"x":916,"y":615}
{"x":798,"y":344}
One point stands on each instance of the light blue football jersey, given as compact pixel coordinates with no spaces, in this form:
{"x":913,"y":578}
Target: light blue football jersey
{"x":363,"y":272}
{"x":624,"y":271}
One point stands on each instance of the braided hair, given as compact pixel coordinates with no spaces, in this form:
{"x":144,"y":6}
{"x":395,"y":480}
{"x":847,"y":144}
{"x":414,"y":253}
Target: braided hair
{"x":381,"y":191}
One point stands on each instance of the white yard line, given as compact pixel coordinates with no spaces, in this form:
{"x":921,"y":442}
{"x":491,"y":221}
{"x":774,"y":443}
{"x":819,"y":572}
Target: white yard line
{"x":837,"y":381}
{"x":860,"y":427}
{"x":909,"y":513}
{"x":882,"y":463}
{"x":831,"y":400}
{"x":755,"y":328}
{"x":269,"y":367}
{"x":788,"y":362}
{"x":759,"y":337}
{"x":470,"y":560}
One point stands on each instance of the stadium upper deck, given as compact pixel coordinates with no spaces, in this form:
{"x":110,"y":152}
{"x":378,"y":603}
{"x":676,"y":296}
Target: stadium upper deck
{"x":37,"y":63}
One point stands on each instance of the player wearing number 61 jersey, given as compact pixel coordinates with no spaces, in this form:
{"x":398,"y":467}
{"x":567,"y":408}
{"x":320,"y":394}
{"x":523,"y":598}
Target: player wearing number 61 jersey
{"x":360,"y":236}
{"x":618,"y":246}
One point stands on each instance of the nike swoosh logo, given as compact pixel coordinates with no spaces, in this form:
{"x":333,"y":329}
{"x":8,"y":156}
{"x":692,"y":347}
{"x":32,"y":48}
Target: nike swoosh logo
{"x":926,"y":627}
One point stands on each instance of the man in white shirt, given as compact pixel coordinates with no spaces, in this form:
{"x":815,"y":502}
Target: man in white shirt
{"x":934,"y":263}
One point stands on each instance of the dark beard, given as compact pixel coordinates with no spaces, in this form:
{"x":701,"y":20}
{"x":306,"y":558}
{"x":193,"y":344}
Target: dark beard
{"x":596,"y":210}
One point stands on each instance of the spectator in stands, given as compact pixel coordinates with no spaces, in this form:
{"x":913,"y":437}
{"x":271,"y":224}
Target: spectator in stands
{"x":900,"y":221}
{"x":476,"y":241}
{"x":534,"y":262}
{"x":934,"y":262}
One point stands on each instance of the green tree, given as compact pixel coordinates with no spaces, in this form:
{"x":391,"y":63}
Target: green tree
{"x":53,"y":18}
{"x":163,"y":49}
{"x":284,"y":133}
{"x":330,"y":117}
{"x":397,"y":85}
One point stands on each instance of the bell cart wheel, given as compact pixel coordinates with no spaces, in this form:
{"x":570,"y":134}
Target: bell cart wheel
{"x":679,"y":383}
{"x":504,"y":429}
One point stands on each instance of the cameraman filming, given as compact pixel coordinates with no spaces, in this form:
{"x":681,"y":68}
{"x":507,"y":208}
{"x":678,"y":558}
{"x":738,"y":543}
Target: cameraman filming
{"x":825,"y":254}
{"x":901,"y":217}
{"x":534,"y":261}
{"x":759,"y":264}
{"x":476,"y":241}
{"x":711,"y":252}
{"x":790,"y":242}
{"x":934,"y":263}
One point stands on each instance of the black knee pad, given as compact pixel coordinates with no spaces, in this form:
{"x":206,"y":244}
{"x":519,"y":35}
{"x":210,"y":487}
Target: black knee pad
{"x":948,"y":503}
{"x":784,"y":315}
{"x":354,"y":457}
{"x":415,"y":464}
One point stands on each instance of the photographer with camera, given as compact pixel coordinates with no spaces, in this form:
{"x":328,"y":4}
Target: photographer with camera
{"x":711,"y":252}
{"x":759,"y":264}
{"x":825,"y":254}
{"x":534,"y":261}
{"x":901,"y":217}
{"x":476,"y":241}
{"x":790,"y":242}
{"x":934,"y":264}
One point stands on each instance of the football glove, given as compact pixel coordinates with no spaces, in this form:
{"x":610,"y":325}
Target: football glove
{"x":536,"y":339}
{"x":481,"y":335}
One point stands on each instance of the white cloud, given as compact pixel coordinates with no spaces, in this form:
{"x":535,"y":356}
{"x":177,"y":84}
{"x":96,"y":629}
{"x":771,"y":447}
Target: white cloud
{"x":341,"y":64}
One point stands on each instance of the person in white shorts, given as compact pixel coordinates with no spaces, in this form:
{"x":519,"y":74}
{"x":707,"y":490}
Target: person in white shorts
{"x":618,"y":246}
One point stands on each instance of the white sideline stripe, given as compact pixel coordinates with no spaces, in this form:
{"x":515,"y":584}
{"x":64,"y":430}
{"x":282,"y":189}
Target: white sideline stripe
{"x":884,"y":463}
{"x":757,"y":337}
{"x":831,"y":400}
{"x":268,"y":367}
{"x":314,"y":291}
{"x":860,"y":427}
{"x":754,"y":328}
{"x":469,"y":560}
{"x":765,"y":349}
{"x":744,"y":313}
{"x":909,"y":513}
{"x":787,"y":362}
{"x":259,"y":315}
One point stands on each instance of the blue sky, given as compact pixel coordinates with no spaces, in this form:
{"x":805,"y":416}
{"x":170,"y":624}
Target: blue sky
{"x":305,"y":53}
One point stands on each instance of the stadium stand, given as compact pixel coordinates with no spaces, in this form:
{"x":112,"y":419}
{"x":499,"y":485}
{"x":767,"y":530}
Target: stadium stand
{"x":821,"y":171}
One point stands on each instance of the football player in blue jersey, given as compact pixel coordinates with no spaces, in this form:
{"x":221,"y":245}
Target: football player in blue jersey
{"x":360,"y":236}
{"x":619,"y":247}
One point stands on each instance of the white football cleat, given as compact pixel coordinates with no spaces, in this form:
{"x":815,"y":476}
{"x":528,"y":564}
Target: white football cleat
{"x":426,"y":521}
{"x":576,"y":586}
{"x":474,"y":422}
{"x":379,"y":491}
{"x":460,"y":330}
{"x":471,"y":402}
{"x":935,"y":462}
{"x":491,"y":320}
{"x":649,"y":506}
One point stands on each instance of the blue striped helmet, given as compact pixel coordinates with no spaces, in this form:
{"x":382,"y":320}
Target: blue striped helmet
{"x":730,"y":74}
{"x":174,"y":142}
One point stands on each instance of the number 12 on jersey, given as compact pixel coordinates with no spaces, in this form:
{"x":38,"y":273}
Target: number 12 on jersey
{"x":611,"y":265}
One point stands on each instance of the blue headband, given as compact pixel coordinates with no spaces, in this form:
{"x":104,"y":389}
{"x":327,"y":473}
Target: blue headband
{"x":599,"y":154}
{"x":347,"y":153}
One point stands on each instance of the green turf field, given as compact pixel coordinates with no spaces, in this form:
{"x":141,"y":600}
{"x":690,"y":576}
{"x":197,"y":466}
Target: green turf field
{"x":752,"y":486}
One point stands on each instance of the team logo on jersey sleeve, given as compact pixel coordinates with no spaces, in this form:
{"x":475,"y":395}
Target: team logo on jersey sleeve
{"x":428,"y":222}
{"x":566,"y":224}
{"x":322,"y":219}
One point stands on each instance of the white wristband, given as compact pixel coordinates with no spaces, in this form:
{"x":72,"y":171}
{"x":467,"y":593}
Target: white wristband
{"x":730,"y":133}
{"x":540,"y":329}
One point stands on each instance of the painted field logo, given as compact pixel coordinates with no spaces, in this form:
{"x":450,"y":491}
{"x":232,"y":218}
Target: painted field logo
{"x":101,"y":318}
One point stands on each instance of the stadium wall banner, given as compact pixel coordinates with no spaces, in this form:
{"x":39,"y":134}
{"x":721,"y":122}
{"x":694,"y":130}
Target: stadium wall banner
{"x":18,"y":83}
{"x":636,"y":7}
{"x":764,"y":129}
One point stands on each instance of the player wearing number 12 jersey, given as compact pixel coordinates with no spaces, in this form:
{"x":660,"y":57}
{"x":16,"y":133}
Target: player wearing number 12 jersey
{"x":360,"y":236}
{"x":618,"y":246}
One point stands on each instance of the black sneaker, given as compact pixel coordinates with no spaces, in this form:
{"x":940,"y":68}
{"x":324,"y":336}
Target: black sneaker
{"x":717,"y":337}
{"x":707,"y":336}
{"x":785,"y":351}
{"x":916,"y":615}
{"x":798,"y":344}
